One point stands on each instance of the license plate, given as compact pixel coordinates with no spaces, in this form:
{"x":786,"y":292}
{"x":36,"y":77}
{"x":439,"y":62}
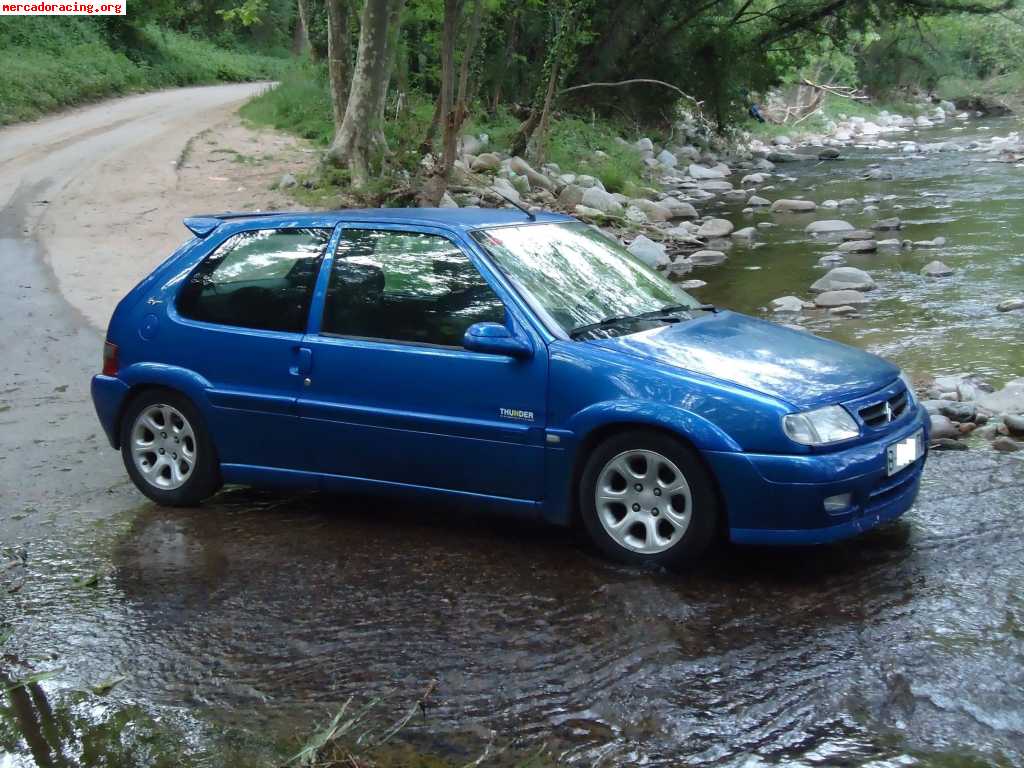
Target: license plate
{"x":904,"y":453}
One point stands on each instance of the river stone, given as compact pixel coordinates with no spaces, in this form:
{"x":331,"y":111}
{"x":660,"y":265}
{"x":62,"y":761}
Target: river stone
{"x":707,"y":258}
{"x":828,"y":153}
{"x":703,"y":173}
{"x":885,"y":225}
{"x":679,"y":209}
{"x":586,"y":181}
{"x":827,"y":226}
{"x":844,"y":279}
{"x":667,"y":159}
{"x":287,"y":181}
{"x":839,"y":299}
{"x":1014,"y":424}
{"x":1009,"y":399}
{"x":635,"y":215}
{"x":570,"y":196}
{"x":747,"y":233}
{"x":936,"y":269}
{"x":736,"y":195}
{"x":504,"y":188}
{"x":521,"y":183}
{"x":831,"y":260}
{"x":487,"y":161}
{"x":1010,"y":305}
{"x":858,"y":246}
{"x":787,"y":304}
{"x":846,"y":309}
{"x":753,"y":178}
{"x":957,"y":411}
{"x":859,"y":234}
{"x":758,"y":202}
{"x":942,"y":427}
{"x":715,"y":228}
{"x":649,"y":252}
{"x":715,"y":186}
{"x":1005,"y":444}
{"x":602,"y":201}
{"x":447,"y":201}
{"x":654,"y":211}
{"x":590,"y":214}
{"x":783,"y":157}
{"x":690,"y":285}
{"x":793,"y":206}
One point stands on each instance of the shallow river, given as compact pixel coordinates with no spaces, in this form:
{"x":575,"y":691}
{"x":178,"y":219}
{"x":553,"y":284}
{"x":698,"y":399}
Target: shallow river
{"x":927,"y":325}
{"x":221,"y":636}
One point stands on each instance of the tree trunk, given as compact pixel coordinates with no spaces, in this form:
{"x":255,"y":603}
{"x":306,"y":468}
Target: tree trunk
{"x":358,"y":139}
{"x":304,"y":23}
{"x":338,"y":57}
{"x":299,"y":40}
{"x":437,"y":182}
{"x":540,"y":135}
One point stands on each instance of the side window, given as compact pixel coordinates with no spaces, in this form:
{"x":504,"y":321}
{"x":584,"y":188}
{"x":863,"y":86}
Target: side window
{"x":406,"y":286}
{"x":259,"y":279}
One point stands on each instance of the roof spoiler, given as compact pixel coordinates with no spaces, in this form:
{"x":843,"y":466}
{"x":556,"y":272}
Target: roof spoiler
{"x":204,"y":224}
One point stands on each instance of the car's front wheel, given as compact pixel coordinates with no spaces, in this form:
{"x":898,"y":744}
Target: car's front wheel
{"x":647,"y":499}
{"x":167,"y":450}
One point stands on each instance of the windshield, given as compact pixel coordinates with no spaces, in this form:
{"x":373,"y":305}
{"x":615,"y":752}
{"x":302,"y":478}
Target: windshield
{"x":579,"y":277}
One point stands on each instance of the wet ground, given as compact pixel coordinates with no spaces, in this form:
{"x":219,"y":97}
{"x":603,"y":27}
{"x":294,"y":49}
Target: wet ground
{"x":222,"y":635}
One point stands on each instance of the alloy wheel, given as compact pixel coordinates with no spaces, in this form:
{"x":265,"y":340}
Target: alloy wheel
{"x":163,"y":446}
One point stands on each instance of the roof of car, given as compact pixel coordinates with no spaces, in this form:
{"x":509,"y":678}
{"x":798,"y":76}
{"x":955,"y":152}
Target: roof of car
{"x":452,"y":218}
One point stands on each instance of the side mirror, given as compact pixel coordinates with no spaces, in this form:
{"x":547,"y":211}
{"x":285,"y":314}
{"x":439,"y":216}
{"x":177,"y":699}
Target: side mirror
{"x":495,"y":339}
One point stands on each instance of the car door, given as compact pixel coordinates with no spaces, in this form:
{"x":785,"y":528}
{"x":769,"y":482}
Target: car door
{"x":393,"y":396}
{"x":238,"y":322}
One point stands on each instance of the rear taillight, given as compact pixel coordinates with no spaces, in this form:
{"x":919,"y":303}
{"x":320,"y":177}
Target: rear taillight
{"x":109,"y":359}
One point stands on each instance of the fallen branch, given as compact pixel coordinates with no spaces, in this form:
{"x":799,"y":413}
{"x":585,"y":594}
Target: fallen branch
{"x":634,"y":81}
{"x":842,"y":91}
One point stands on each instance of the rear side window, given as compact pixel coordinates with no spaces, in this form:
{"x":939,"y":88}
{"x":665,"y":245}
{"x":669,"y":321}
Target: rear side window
{"x":406,"y":286}
{"x":260,"y":279}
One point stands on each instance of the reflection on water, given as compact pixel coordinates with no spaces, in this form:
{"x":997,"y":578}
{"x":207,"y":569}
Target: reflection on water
{"x":926,"y":325}
{"x":261,"y":613}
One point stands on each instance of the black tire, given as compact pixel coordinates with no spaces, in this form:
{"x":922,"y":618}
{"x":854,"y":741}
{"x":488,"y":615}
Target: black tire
{"x":703,"y":505}
{"x":203,"y":479}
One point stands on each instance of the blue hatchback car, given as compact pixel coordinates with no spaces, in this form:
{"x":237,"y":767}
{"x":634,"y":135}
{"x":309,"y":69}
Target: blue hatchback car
{"x":520,"y":362}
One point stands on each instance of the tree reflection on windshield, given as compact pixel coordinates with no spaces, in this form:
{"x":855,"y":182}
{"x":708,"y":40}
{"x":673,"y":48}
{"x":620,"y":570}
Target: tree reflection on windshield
{"x":577,"y":275}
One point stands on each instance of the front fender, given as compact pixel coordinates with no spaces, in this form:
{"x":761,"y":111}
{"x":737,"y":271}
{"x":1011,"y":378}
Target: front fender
{"x":699,"y":431}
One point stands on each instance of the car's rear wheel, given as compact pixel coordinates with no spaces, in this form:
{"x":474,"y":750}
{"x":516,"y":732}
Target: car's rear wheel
{"x":647,"y":499}
{"x":167,"y":449}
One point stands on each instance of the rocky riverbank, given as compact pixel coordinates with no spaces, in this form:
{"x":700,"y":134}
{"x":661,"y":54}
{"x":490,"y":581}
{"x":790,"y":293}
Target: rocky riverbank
{"x":703,"y":201}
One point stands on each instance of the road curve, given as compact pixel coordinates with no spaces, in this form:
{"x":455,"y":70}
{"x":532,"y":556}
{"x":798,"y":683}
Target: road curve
{"x":103,"y":166}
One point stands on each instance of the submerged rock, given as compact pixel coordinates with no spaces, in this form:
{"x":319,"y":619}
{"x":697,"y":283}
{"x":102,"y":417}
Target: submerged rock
{"x":1010,"y":305}
{"x":886,"y":225}
{"x":707,"y":258}
{"x":787,"y":304}
{"x":858,"y":246}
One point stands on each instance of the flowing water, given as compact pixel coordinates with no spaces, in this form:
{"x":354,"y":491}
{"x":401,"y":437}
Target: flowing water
{"x":222,"y":635}
{"x":929,"y":326}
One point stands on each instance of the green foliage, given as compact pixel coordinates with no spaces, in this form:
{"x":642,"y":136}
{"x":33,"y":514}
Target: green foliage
{"x":49,"y":63}
{"x":301,"y":104}
{"x":574,"y":144}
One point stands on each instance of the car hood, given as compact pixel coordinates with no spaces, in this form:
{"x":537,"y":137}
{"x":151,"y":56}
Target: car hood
{"x":793,"y":366}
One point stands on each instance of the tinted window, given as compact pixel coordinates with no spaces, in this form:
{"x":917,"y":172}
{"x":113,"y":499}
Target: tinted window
{"x":406,"y":286}
{"x":259,"y":279}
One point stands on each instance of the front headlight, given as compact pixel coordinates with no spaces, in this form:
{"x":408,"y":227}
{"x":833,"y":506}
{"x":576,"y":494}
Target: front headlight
{"x":911,"y":397}
{"x":821,"y":427}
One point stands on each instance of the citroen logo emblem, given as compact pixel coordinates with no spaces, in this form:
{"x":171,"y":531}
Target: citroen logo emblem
{"x":888,"y":412}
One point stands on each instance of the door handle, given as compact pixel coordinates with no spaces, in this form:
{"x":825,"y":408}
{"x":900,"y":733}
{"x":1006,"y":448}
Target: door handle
{"x":303,"y":362}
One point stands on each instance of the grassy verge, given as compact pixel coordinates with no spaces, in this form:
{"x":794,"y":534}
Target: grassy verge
{"x":48,"y":63}
{"x":302,"y":106}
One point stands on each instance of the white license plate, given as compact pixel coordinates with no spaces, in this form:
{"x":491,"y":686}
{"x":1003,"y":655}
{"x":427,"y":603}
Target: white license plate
{"x":905,"y":452}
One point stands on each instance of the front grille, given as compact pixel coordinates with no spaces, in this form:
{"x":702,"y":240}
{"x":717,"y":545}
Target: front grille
{"x":887,"y":411}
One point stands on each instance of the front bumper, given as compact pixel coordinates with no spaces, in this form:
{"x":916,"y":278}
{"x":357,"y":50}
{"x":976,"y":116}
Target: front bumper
{"x":773,"y":499}
{"x":108,"y":393}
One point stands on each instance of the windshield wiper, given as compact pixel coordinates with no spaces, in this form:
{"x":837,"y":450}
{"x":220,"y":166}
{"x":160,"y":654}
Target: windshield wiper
{"x":666,"y":314}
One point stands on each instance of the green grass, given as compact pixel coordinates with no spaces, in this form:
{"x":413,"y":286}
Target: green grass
{"x":67,"y":61}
